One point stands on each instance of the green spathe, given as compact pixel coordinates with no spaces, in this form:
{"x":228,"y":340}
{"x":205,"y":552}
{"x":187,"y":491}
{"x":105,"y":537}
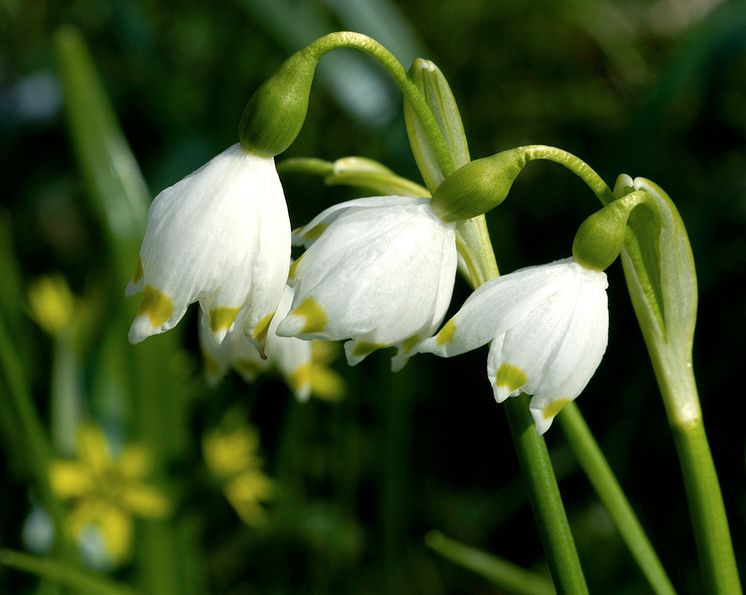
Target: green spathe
{"x":276,"y":111}
{"x":433,"y":85}
{"x":478,"y":186}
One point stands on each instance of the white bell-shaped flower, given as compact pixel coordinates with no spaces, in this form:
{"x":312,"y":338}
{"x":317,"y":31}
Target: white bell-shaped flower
{"x":292,"y":357}
{"x":549,"y":328}
{"x":379,"y":271}
{"x":220,"y":236}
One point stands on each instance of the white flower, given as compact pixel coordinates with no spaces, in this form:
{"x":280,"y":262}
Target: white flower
{"x":220,"y":236}
{"x":549,"y":327}
{"x":292,"y":357}
{"x":380,"y":273}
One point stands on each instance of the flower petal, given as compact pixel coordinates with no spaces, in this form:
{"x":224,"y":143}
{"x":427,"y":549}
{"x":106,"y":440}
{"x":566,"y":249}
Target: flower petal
{"x":495,"y":307}
{"x":220,"y":236}
{"x":378,"y":276}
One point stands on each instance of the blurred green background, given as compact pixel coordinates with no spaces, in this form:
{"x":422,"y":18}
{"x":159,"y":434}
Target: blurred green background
{"x":649,"y":88}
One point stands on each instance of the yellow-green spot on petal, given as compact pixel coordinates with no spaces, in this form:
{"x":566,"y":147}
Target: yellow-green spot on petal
{"x":260,"y":331}
{"x":294,"y":268}
{"x":222,"y":318}
{"x":554,"y":408}
{"x":510,"y":376}
{"x":156,"y":304}
{"x":445,"y":335}
{"x":315,"y":232}
{"x":363,"y":348}
{"x":314,"y":315}
{"x":409,"y":344}
{"x":139,"y":271}
{"x":300,"y":377}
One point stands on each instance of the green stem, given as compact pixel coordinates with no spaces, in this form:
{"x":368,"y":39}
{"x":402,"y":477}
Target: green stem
{"x":596,"y":468}
{"x":707,"y":510}
{"x":546,"y":502}
{"x":576,"y":165}
{"x":363,"y":43}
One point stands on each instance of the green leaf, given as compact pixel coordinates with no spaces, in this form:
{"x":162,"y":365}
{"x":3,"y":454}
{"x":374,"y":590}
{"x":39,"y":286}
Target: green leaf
{"x":64,"y":574}
{"x":506,"y":575}
{"x":115,"y":185}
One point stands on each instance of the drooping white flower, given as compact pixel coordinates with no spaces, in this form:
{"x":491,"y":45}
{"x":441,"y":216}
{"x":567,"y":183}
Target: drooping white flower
{"x":379,"y":271}
{"x":549,"y":327}
{"x":292,"y":357}
{"x":220,"y":236}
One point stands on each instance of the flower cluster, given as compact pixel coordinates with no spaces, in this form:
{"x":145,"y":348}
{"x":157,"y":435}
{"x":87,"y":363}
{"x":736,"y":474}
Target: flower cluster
{"x":377,"y":272}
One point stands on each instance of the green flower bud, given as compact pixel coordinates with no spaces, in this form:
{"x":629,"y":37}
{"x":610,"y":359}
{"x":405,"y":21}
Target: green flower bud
{"x":276,"y":111}
{"x":479,"y":185}
{"x":600,"y":238}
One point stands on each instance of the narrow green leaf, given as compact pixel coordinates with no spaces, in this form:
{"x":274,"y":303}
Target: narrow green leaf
{"x":64,"y":574}
{"x":115,"y":185}
{"x":506,"y":575}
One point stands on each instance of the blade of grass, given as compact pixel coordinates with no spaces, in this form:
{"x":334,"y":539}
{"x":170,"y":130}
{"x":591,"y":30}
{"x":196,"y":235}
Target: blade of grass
{"x":63,"y":574}
{"x":506,"y":575}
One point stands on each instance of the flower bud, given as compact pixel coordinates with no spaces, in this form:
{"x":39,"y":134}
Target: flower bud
{"x":276,"y":111}
{"x":479,"y":185}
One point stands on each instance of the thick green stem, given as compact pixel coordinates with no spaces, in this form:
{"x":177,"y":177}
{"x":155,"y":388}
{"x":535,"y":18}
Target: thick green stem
{"x":546,"y":502}
{"x":594,"y":464}
{"x":707,"y":509}
{"x":363,"y":43}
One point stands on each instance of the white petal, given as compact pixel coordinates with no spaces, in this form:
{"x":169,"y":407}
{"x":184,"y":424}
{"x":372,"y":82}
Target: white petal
{"x":306,"y":235}
{"x":219,"y":236}
{"x":291,"y":356}
{"x":214,"y":355}
{"x":528,"y":344}
{"x":583,"y":344}
{"x":495,"y":307}
{"x":376,"y":275}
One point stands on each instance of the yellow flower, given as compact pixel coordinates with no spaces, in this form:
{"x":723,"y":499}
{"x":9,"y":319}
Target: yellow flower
{"x":106,"y":491}
{"x":51,"y":303}
{"x":231,"y":455}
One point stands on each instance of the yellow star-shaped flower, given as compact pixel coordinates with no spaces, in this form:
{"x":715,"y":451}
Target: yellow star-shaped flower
{"x":106,"y":491}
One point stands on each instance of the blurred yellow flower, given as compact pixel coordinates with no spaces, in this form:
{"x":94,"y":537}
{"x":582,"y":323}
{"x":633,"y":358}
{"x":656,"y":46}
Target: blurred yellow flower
{"x":106,"y":491}
{"x":51,"y":303}
{"x":231,"y":455}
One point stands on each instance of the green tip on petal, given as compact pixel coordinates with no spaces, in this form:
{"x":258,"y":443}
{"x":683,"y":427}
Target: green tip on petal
{"x":156,"y":305}
{"x":554,"y":408}
{"x":510,"y":377}
{"x":445,"y":336}
{"x":313,"y":313}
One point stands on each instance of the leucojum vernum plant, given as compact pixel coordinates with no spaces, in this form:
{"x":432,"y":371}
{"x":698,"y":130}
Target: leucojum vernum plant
{"x":378,"y":272}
